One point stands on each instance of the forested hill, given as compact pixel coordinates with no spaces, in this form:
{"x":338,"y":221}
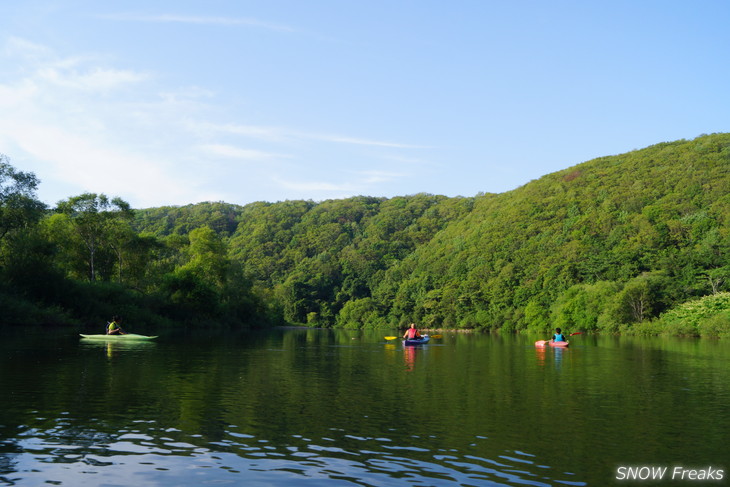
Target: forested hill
{"x":609,"y":243}
{"x":616,"y":240}
{"x":308,"y":260}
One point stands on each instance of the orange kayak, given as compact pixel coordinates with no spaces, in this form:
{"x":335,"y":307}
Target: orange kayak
{"x":542,"y":343}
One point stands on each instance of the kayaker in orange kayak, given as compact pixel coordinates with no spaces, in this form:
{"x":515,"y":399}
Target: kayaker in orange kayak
{"x":558,"y":336}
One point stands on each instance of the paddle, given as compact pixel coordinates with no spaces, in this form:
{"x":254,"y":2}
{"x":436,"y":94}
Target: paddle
{"x":395,"y":338}
{"x":576,"y":333}
{"x":541,"y":343}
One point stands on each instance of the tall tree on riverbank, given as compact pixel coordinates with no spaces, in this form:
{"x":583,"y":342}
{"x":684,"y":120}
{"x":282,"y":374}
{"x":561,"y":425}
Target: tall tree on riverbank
{"x":97,"y":221}
{"x":18,"y":204}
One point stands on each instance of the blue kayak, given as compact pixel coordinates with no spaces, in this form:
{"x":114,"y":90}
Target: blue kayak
{"x":416,"y":341}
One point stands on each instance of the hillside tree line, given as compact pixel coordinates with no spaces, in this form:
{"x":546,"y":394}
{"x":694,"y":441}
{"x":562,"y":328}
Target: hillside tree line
{"x":610,"y":245}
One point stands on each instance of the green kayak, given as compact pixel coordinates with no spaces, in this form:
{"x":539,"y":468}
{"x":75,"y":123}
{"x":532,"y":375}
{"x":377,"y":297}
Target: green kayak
{"x":126,"y":336}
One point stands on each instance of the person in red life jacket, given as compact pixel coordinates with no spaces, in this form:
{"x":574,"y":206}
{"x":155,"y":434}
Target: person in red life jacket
{"x":411,"y":333}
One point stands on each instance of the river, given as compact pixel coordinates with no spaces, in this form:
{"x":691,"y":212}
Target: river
{"x":291,"y":407}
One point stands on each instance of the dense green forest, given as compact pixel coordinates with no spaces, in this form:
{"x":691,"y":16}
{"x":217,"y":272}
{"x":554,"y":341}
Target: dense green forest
{"x":617,"y":244}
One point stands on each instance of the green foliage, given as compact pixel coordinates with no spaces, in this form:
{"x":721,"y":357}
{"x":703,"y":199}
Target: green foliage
{"x":190,"y":295}
{"x":32,"y":271}
{"x":360,"y":314}
{"x":537,"y":318}
{"x":717,"y":326}
{"x":608,"y":245}
{"x":21,"y":310}
{"x":708,"y":316}
{"x":207,"y":256}
{"x":19,"y":207}
{"x":59,"y":269}
{"x":587,"y":307}
{"x":169,"y":220}
{"x":653,"y":222}
{"x":99,"y":225}
{"x":319,"y":257}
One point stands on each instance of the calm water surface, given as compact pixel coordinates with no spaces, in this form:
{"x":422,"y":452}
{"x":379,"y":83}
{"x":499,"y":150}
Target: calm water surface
{"x":330,"y":408}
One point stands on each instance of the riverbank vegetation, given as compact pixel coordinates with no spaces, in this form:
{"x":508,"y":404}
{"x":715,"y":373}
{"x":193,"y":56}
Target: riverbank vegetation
{"x":619,"y":244}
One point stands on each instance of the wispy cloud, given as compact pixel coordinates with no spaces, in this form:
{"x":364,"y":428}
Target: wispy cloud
{"x":83,"y":124}
{"x":234,"y":152}
{"x":404,"y":159}
{"x":92,"y":164}
{"x":57,"y":114}
{"x":357,"y":141}
{"x":281,"y":133}
{"x":200,"y":20}
{"x":359,"y":182}
{"x":17,"y":46}
{"x":258,"y":132}
{"x":316,"y":186}
{"x":96,"y":79}
{"x":40,"y":65}
{"x":376,"y":177}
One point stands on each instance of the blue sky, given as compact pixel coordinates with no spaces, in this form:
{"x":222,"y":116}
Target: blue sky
{"x":177,"y":102}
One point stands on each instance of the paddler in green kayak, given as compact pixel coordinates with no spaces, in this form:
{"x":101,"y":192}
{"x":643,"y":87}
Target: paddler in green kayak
{"x":114,"y":328}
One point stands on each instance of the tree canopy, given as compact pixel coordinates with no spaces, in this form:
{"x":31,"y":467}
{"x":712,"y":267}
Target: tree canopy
{"x":611,"y":244}
{"x":18,"y":204}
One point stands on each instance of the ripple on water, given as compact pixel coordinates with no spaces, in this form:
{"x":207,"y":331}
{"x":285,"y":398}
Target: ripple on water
{"x":148,"y":455}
